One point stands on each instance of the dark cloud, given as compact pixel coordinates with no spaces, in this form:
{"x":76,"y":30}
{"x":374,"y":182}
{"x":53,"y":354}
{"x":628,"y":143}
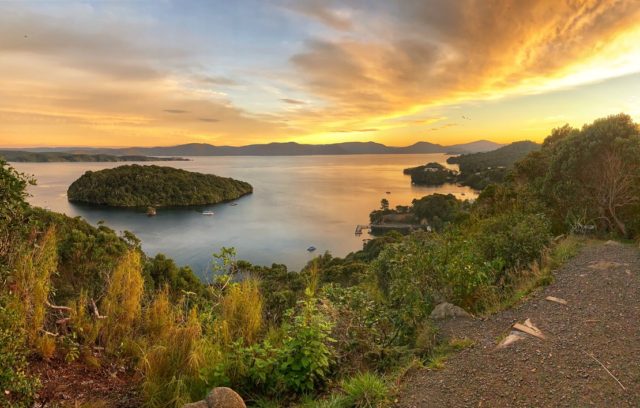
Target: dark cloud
{"x":218,"y":80}
{"x":209,"y":120}
{"x":318,"y":10}
{"x":293,"y":101}
{"x":176,"y":111}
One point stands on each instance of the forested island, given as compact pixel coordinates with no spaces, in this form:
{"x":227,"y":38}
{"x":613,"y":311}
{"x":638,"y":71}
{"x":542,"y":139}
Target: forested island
{"x":155,"y":186}
{"x":53,"y":157}
{"x":477,"y":170}
{"x":86,"y":302}
{"x":431,"y":174}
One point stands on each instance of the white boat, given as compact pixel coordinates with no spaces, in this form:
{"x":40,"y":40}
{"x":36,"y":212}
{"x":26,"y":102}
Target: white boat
{"x":208,"y":213}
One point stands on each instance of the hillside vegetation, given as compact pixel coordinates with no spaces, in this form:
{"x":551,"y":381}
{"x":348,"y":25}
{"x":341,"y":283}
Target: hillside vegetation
{"x":339,"y":332}
{"x":138,"y":186}
{"x":478,"y":170}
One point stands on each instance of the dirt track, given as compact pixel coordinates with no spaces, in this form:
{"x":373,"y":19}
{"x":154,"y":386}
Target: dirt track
{"x":602,"y":318}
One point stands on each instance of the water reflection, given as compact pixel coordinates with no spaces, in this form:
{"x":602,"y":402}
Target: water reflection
{"x":297,"y":202}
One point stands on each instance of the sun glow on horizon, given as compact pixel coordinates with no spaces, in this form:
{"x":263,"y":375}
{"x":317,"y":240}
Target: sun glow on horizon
{"x":131,"y":76}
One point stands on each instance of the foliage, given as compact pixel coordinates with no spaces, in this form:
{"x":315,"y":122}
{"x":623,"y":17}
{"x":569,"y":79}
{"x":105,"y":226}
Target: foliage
{"x":142,"y":186}
{"x":86,"y":255}
{"x":122,"y":302}
{"x":515,"y":239}
{"x":365,"y":390}
{"x":241,"y":313}
{"x":174,"y":354}
{"x":18,"y":387}
{"x":305,"y":355}
{"x":439,"y":210}
{"x":431,"y":174}
{"x":478,"y":170}
{"x":280,"y":289}
{"x":31,"y":280}
{"x":591,"y":174}
{"x":13,"y":206}
{"x":161,"y":272}
{"x":364,"y":329}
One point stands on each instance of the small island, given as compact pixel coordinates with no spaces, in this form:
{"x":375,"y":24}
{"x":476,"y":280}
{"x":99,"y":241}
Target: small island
{"x":432,"y":174}
{"x":154,"y":186}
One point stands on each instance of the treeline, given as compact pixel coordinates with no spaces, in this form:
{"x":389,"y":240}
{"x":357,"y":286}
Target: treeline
{"x":282,"y":338}
{"x":141,"y":186}
{"x":476,"y":170}
{"x":431,"y":174}
{"x":49,"y":157}
{"x":479,"y":170}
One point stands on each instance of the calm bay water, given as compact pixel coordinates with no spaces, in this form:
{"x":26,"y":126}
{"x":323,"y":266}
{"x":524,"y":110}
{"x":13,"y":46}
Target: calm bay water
{"x":297,"y":202}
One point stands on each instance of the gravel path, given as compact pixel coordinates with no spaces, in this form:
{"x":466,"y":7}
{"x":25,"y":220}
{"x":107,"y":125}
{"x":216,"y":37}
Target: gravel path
{"x":602,"y":319}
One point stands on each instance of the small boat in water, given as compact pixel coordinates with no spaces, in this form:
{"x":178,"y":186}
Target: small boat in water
{"x":151,"y":211}
{"x":233,"y":204}
{"x":311,"y":248}
{"x":207,"y":213}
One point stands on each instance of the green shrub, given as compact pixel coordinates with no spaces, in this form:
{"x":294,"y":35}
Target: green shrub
{"x":292,"y":361}
{"x":306,"y":352}
{"x":364,"y":330}
{"x":365,"y":390}
{"x":18,"y":388}
{"x":515,"y":239}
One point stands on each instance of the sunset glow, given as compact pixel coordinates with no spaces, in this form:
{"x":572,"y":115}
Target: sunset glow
{"x":241,"y":72}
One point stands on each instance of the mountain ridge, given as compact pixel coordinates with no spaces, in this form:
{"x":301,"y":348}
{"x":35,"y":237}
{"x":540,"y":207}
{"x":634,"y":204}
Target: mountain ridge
{"x":279,"y":149}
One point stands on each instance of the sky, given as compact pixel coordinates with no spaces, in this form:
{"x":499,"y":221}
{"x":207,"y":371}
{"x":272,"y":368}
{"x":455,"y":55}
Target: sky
{"x":167,"y":72}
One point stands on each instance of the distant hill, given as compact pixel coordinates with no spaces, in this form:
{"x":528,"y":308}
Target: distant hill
{"x":502,"y":157}
{"x":283,"y":149}
{"x":46,"y":157}
{"x":481,"y":169}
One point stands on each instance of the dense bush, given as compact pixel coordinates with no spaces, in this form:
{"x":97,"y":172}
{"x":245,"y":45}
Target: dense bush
{"x":431,"y":174}
{"x":588,"y":177}
{"x":513,"y":239}
{"x":18,"y":387}
{"x":142,"y":186}
{"x":439,"y":210}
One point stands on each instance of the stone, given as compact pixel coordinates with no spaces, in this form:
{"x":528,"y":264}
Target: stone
{"x":447,"y":311}
{"x":223,"y":397}
{"x":219,"y":397}
{"x":199,"y":404}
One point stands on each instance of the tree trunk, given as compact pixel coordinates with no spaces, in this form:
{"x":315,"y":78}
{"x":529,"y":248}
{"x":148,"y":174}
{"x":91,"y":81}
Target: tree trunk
{"x":619,"y":224}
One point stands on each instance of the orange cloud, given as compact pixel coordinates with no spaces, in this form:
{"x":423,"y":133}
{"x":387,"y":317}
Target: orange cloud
{"x":372,"y":70}
{"x":443,"y":51}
